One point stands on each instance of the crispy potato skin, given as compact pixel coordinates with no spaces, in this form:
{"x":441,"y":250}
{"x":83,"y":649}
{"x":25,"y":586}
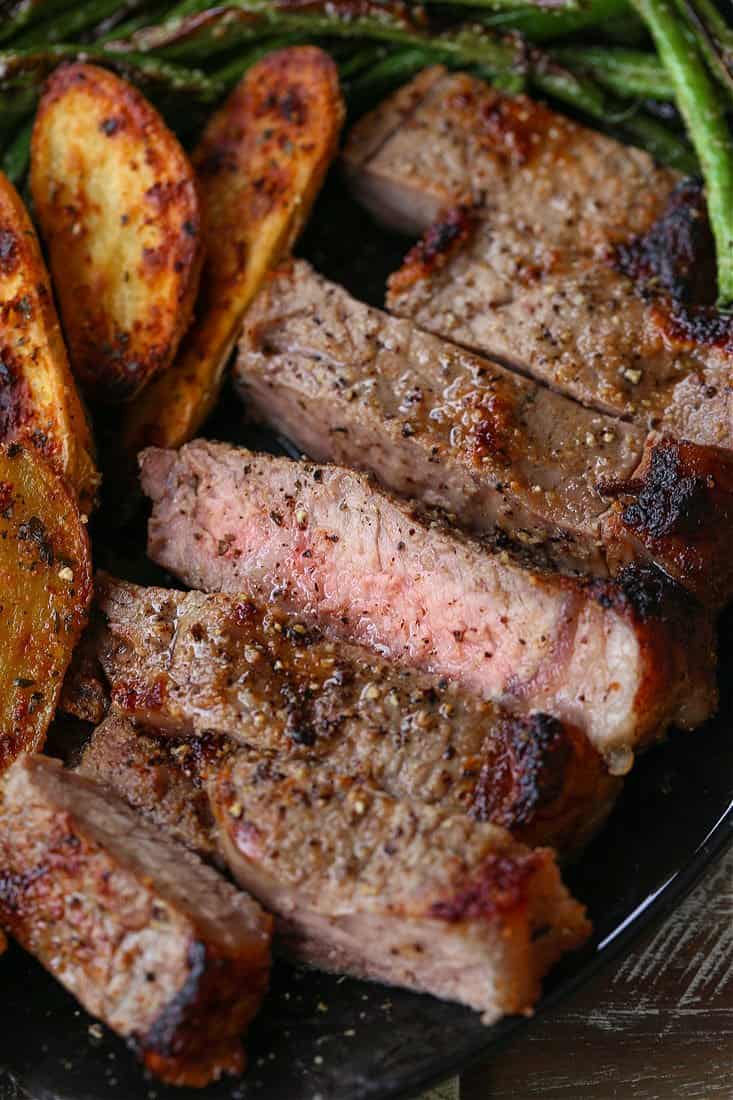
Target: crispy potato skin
{"x":260,"y":163}
{"x":45,"y":590}
{"x":117,"y":203}
{"x":39,"y":402}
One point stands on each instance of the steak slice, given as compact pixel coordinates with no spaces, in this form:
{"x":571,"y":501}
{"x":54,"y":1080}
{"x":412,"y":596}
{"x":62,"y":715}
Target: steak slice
{"x":350,"y":384}
{"x":447,"y":138}
{"x":148,"y":938}
{"x":394,"y":891}
{"x":216,"y":669}
{"x":612,"y":659}
{"x":160,"y":778}
{"x":560,"y":251}
{"x":568,"y":317}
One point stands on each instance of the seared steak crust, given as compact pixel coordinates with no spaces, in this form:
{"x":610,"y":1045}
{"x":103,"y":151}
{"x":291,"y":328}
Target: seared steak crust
{"x":328,"y":545}
{"x":147,"y":937}
{"x":217,"y":669}
{"x":396,"y":891}
{"x":673,"y":265}
{"x":677,"y":509}
{"x":494,"y":449}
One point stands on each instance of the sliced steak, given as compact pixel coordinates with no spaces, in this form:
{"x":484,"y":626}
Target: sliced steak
{"x":569,"y":318}
{"x":448,"y":138}
{"x":566,"y":254}
{"x":614,"y":660}
{"x":395,"y":891}
{"x":350,"y":384}
{"x":216,"y":669}
{"x":146,"y":936}
{"x":160,"y":778}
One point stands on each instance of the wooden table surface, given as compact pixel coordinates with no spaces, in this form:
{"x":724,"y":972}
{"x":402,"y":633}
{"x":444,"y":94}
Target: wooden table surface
{"x":655,"y":1025}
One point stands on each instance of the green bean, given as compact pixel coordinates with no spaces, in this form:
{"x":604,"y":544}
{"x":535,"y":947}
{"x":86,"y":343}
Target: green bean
{"x":402,"y":64}
{"x":199,"y":24}
{"x":16,"y":154}
{"x":714,"y":52}
{"x":367,"y":58}
{"x":707,"y":10}
{"x":544,"y":25}
{"x":25,"y":13}
{"x":508,"y":5}
{"x":120,"y":27}
{"x":185,"y":39}
{"x":15,"y":106}
{"x":625,"y":30}
{"x":473,"y":45}
{"x":659,"y":141}
{"x":397,"y":67}
{"x":63,"y":28}
{"x":626,"y":72}
{"x":27,"y":68}
{"x":636,"y":126}
{"x":706,"y":125}
{"x":250,"y":20}
{"x":501,"y":59}
{"x":571,"y":88}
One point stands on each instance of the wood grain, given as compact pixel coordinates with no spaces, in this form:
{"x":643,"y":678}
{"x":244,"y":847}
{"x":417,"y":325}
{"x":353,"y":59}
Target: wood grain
{"x":658,"y":1025}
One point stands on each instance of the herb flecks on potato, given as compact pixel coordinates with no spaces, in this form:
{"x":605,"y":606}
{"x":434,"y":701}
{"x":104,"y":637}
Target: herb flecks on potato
{"x":260,"y":163}
{"x":116,"y":200}
{"x":39,"y":403}
{"x":45,"y":589}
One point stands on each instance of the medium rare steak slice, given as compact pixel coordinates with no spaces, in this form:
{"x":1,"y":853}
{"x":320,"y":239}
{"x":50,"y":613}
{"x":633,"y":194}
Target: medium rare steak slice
{"x":350,"y":384}
{"x":206,"y":667}
{"x":394,"y":891}
{"x":614,"y":660}
{"x":145,"y":935}
{"x":560,"y":251}
{"x":160,"y":778}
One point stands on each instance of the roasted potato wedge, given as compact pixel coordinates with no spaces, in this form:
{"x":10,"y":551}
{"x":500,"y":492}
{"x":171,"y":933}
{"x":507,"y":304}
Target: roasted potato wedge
{"x":45,"y":589}
{"x":116,"y":200}
{"x":39,"y":403}
{"x":260,"y":163}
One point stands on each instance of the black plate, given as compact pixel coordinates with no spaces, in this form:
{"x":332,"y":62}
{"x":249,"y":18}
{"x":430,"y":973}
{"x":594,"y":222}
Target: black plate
{"x":324,"y":1038}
